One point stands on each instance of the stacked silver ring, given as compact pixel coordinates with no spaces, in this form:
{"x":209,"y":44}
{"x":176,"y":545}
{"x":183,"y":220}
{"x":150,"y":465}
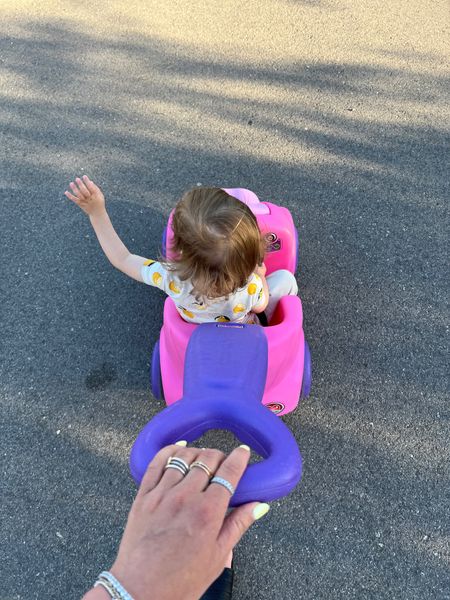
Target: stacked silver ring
{"x":180,"y":465}
{"x":177,"y":463}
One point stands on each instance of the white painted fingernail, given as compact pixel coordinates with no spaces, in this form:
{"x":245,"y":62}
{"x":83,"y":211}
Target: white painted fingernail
{"x":260,"y":510}
{"x":181,"y":443}
{"x":245,"y":447}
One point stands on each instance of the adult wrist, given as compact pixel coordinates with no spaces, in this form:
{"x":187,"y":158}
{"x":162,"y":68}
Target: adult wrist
{"x":96,"y":593}
{"x":128,"y":580}
{"x":114,"y":589}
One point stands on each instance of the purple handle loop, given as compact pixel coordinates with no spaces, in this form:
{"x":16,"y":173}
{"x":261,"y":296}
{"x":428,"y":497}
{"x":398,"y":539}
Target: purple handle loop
{"x":225,"y":373}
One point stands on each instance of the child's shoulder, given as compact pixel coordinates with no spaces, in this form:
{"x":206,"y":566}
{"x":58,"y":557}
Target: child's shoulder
{"x":254,"y":282}
{"x":162,"y":276}
{"x":252,"y":287}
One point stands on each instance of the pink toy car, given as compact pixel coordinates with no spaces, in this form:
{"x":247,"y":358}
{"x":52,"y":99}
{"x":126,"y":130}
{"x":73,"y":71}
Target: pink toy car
{"x":289,"y":360}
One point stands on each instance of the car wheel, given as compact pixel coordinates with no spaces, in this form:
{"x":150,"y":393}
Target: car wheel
{"x":156,"y":378}
{"x":307,"y":377}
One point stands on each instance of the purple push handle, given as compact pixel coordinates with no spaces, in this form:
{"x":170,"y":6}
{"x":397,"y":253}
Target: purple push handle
{"x":224,"y":378}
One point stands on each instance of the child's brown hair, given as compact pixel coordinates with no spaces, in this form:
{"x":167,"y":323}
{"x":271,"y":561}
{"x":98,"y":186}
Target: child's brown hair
{"x":217,"y":242}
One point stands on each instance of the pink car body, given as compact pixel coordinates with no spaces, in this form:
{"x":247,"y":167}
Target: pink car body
{"x":289,"y":363}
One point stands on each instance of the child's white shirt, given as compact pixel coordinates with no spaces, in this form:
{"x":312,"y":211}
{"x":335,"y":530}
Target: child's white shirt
{"x":236,"y":307}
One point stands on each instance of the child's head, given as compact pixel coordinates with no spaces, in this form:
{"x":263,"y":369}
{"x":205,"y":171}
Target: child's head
{"x":217,"y":242}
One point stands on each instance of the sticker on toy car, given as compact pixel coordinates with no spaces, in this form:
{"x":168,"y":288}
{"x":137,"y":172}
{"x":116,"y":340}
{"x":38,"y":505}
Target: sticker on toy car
{"x":275,"y":407}
{"x":273,"y":242}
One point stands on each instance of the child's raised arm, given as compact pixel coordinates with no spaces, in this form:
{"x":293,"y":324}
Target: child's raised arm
{"x":91,"y":200}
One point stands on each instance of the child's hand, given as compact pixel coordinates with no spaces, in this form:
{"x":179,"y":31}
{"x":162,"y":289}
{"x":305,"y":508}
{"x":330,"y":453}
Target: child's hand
{"x":86,"y":195}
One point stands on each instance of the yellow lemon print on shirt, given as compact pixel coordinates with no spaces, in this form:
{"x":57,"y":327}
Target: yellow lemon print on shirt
{"x":222,"y":319}
{"x":173,"y":287}
{"x":157,"y":278}
{"x":239,"y":308}
{"x":148,"y":262}
{"x":187,"y":313}
{"x":251,"y":288}
{"x":200,"y":305}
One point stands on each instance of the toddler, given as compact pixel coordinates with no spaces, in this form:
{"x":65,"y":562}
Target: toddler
{"x":218,"y":273}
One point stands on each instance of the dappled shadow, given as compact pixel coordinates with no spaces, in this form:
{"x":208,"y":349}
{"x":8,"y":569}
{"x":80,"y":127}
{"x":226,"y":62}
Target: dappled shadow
{"x":363,"y":532}
{"x":356,"y":153}
{"x":370,"y":213}
{"x":60,"y":497}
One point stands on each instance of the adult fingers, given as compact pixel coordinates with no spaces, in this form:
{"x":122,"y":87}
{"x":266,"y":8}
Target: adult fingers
{"x":238,"y":521}
{"x":173,"y":476}
{"x":155,"y":469}
{"x":231,"y":470}
{"x":208,"y":462}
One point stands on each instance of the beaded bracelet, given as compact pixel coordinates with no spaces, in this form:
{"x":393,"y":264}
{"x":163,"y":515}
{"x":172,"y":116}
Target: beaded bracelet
{"x":114,"y":588}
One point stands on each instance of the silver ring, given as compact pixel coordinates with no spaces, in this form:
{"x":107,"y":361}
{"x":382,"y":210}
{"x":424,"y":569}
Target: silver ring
{"x":223,"y":482}
{"x":201,"y":465}
{"x":177,"y":467}
{"x":177,"y":463}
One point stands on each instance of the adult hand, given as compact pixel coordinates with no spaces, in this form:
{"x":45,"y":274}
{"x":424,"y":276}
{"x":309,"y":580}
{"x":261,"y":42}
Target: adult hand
{"x":88,"y":196}
{"x":178,"y":534}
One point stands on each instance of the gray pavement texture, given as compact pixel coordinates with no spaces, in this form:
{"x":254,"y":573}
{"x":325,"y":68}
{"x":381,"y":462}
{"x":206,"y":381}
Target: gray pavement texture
{"x":337,"y":110}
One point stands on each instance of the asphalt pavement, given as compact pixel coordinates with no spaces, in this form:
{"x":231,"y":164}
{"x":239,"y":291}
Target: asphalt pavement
{"x":335,"y":109}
